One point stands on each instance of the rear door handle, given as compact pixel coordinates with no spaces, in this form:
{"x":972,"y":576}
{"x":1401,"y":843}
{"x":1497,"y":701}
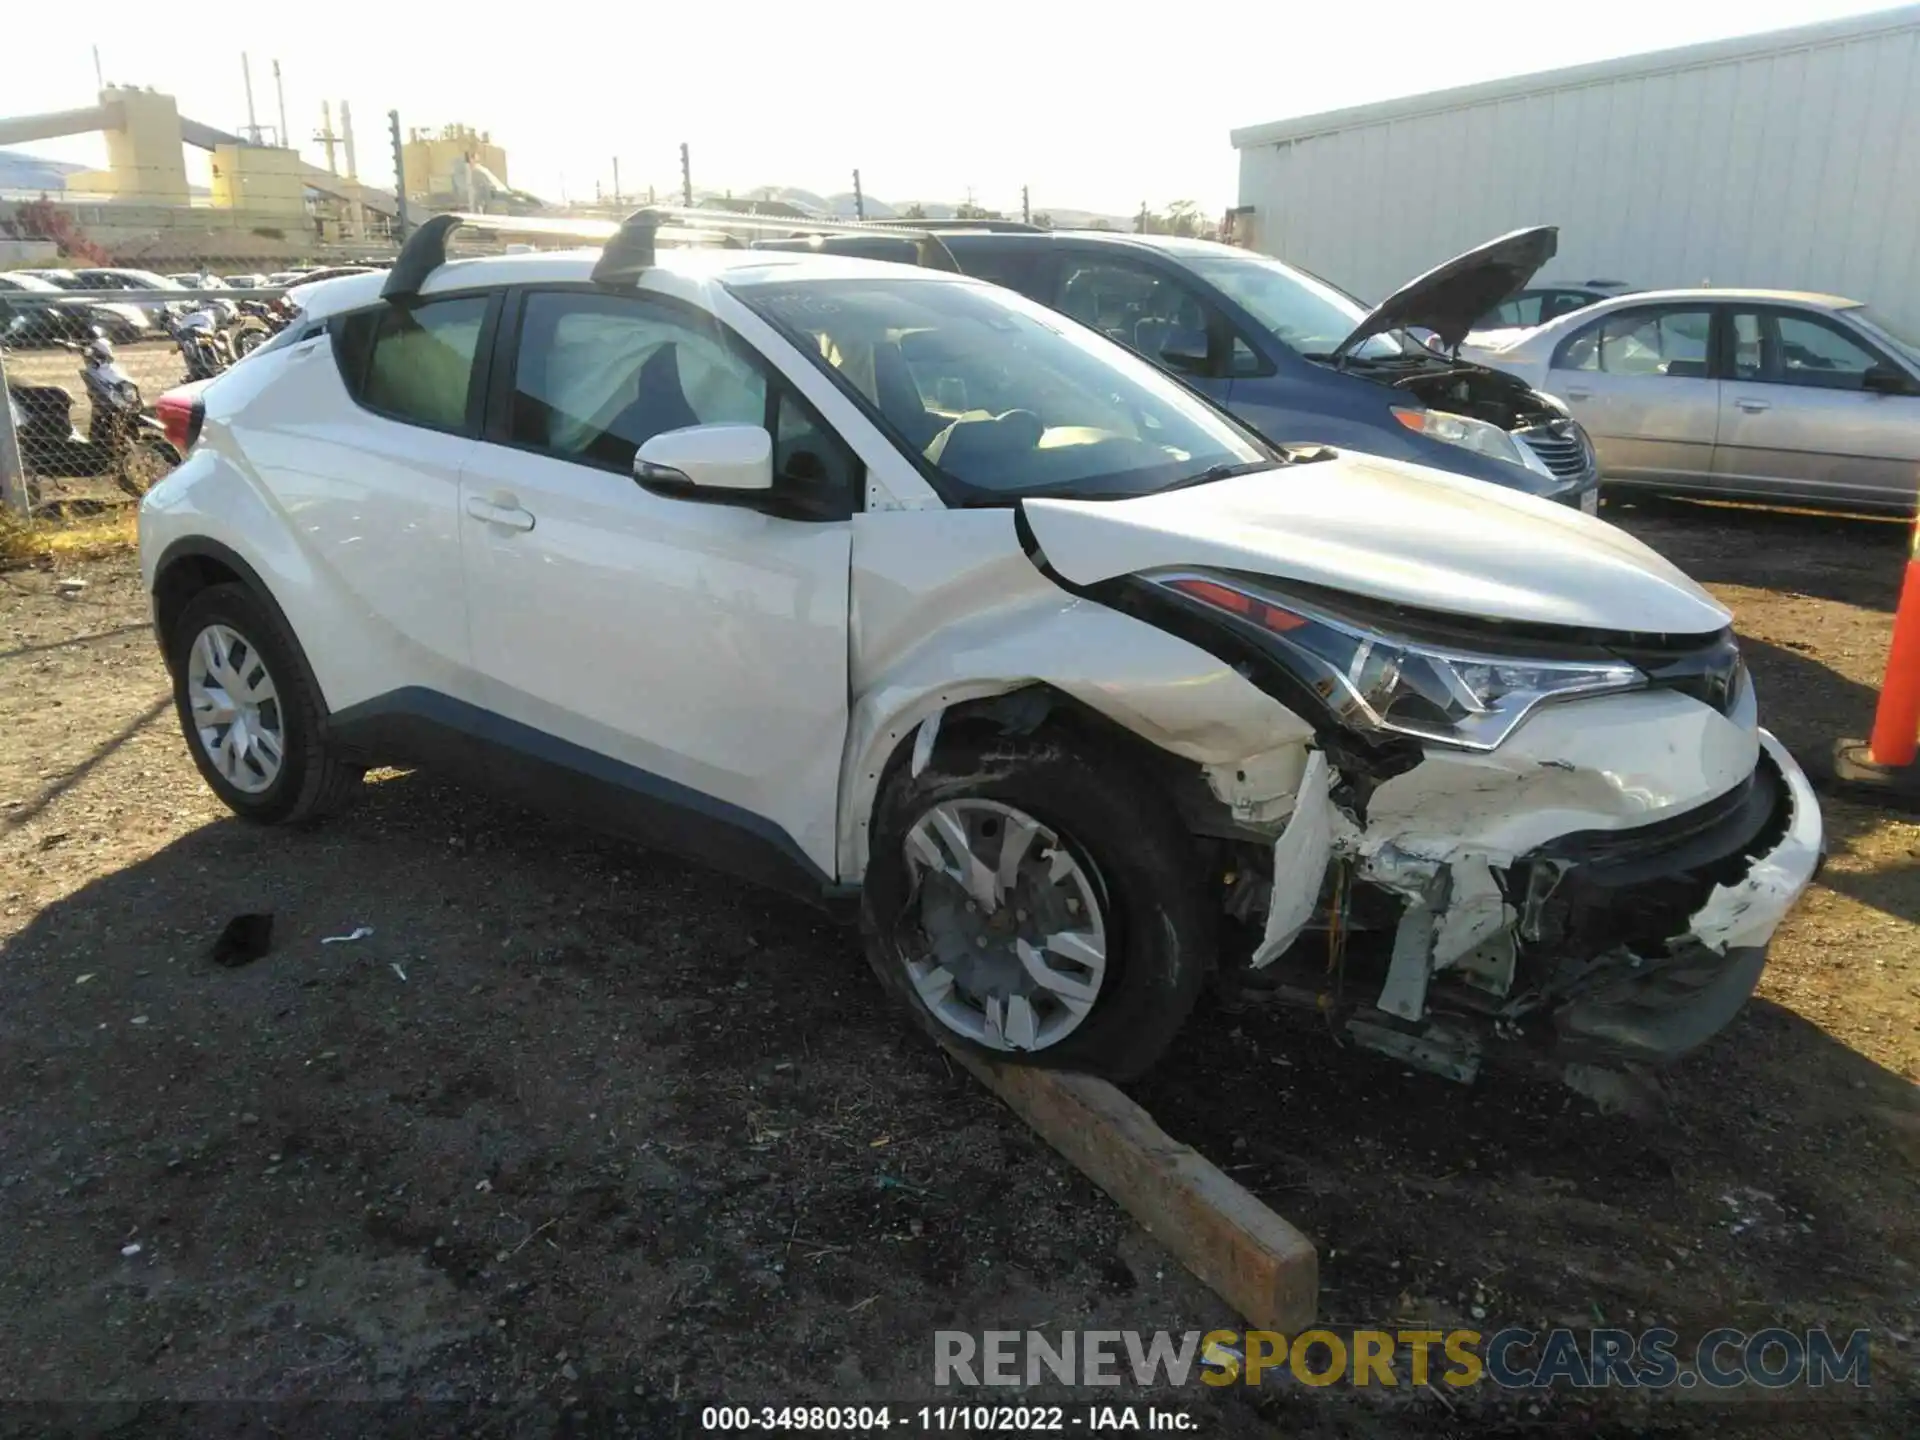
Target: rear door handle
{"x":509,"y":517}
{"x":1751,"y":406}
{"x":1573,"y":394}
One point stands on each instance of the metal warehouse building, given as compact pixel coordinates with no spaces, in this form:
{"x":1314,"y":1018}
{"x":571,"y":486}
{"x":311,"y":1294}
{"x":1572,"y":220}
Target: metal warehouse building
{"x":1789,"y":159}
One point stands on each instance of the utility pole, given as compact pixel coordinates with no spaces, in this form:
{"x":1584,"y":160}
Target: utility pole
{"x":616,"y":180}
{"x":399,"y":177}
{"x":280,"y":91}
{"x":1140,"y":222}
{"x":1026,"y":210}
{"x":859,"y":200}
{"x":686,"y":177}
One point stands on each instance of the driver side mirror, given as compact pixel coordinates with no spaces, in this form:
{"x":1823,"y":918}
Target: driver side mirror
{"x":1886,"y":380}
{"x":1185,"y":353}
{"x":708,"y":462}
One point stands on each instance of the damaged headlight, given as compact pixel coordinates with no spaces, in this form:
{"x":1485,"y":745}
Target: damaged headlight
{"x":1376,"y":681}
{"x":1479,"y":436}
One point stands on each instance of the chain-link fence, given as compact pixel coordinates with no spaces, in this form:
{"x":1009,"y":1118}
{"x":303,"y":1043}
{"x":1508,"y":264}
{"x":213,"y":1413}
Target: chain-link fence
{"x":87,"y":353}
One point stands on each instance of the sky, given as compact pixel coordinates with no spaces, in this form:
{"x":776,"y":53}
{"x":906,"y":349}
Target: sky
{"x":1092,"y":107}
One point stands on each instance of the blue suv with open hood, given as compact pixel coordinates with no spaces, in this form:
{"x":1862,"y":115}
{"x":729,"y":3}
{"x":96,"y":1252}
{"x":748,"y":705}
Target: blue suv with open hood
{"x":1300,"y":360}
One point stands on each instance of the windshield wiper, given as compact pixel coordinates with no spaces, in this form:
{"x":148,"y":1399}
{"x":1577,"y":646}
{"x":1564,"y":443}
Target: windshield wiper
{"x":1227,"y":472}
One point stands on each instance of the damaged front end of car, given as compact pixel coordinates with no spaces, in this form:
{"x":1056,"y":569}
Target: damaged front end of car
{"x":1511,"y":843}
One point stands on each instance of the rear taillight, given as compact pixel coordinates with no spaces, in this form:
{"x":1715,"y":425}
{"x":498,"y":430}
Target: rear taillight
{"x":180,"y":413}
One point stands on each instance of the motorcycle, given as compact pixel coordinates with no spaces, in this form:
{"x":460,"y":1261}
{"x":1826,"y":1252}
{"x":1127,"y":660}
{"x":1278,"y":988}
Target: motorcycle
{"x":202,"y":343}
{"x":122,"y":439}
{"x":259,"y":322}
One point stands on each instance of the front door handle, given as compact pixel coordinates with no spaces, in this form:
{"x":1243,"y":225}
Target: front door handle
{"x":509,"y":517}
{"x":1751,"y":406}
{"x":1573,"y":394}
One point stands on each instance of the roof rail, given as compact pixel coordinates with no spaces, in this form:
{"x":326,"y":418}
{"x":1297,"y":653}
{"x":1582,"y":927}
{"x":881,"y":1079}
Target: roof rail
{"x":629,"y":244}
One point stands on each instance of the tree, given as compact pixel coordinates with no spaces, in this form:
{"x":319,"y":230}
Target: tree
{"x":1043,"y":219}
{"x":915,"y":211}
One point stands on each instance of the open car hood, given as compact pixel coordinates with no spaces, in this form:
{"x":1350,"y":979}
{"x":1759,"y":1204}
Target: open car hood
{"x":1450,"y":297}
{"x":1389,"y":531}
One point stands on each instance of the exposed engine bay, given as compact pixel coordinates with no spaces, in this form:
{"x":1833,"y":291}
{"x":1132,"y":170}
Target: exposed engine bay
{"x":1462,"y":388}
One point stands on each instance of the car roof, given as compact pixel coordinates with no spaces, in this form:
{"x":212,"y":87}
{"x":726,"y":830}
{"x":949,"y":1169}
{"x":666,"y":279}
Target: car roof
{"x":674,"y":270}
{"x":1178,"y":245}
{"x":1710,"y":295}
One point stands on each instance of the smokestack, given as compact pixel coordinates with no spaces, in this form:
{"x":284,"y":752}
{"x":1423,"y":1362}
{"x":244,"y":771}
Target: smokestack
{"x":253,"y":125}
{"x":346,"y":138}
{"x":286,"y":135}
{"x":326,"y":133}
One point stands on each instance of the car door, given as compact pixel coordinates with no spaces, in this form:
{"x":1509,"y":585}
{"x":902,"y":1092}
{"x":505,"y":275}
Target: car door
{"x":361,"y":440}
{"x":1798,"y":421}
{"x":1641,"y":381}
{"x":676,"y":666}
{"x":1151,"y":311}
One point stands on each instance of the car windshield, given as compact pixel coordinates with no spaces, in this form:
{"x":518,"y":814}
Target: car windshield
{"x":1003,"y":397}
{"x":1305,"y":314}
{"x":1897,"y":338}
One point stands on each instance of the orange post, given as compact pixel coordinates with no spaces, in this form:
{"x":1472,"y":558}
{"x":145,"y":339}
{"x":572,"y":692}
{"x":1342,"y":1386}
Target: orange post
{"x":1896,"y":720}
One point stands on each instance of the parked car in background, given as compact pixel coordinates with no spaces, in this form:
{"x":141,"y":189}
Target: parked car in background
{"x":890,"y":586}
{"x":123,"y":324}
{"x":1538,"y":304}
{"x":1302,"y":361}
{"x":246,"y":282}
{"x":1737,"y":394}
{"x":41,"y":324}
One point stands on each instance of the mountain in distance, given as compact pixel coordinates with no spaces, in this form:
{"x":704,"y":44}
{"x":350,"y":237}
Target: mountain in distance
{"x":30,"y":172}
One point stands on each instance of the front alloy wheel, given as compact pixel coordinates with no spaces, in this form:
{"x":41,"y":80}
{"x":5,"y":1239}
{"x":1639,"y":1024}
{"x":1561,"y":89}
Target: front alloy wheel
{"x":1014,"y":924}
{"x":1027,"y":898}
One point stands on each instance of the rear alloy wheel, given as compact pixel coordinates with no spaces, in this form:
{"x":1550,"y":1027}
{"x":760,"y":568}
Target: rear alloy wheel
{"x":1025,"y":899}
{"x":251,"y":712}
{"x":236,"y":709}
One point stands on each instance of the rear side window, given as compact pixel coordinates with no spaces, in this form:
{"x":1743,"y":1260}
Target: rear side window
{"x":1670,"y":343}
{"x":414,"y":362}
{"x":599,"y":375}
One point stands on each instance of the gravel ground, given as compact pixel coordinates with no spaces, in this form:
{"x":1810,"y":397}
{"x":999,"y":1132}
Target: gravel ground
{"x":577,"y":1125}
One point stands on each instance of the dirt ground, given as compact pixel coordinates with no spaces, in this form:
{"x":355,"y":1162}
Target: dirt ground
{"x":576,"y":1126}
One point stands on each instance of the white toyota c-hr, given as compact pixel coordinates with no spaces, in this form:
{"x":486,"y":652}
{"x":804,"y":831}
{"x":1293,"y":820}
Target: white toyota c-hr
{"x":883,"y":584}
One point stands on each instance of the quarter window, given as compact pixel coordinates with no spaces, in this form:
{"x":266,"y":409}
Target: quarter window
{"x":415,"y":362}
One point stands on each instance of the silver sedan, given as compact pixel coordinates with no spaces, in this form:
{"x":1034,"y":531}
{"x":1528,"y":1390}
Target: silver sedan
{"x":1736,"y":394}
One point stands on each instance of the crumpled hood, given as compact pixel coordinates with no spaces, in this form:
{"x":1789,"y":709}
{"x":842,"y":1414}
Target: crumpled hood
{"x":1391,"y":531}
{"x":1450,"y":297}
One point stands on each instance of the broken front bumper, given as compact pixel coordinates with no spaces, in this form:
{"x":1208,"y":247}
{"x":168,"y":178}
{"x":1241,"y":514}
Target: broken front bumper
{"x":1605,"y":941}
{"x":1628,"y":1004}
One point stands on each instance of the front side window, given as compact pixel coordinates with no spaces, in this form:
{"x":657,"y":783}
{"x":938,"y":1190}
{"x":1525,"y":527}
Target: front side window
{"x":597,"y":376}
{"x":1147,"y":311}
{"x":1815,"y":353}
{"x":999,"y":397}
{"x":414,"y":362}
{"x":1307,"y":315}
{"x":1642,"y":343}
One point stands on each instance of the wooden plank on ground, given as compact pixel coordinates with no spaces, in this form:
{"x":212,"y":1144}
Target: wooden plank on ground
{"x":1247,"y":1255}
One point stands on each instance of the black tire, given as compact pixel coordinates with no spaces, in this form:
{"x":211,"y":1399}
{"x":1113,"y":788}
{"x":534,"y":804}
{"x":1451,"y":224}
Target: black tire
{"x":150,"y":460}
{"x":249,"y":335}
{"x":1160,"y":940}
{"x":313,"y":779}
